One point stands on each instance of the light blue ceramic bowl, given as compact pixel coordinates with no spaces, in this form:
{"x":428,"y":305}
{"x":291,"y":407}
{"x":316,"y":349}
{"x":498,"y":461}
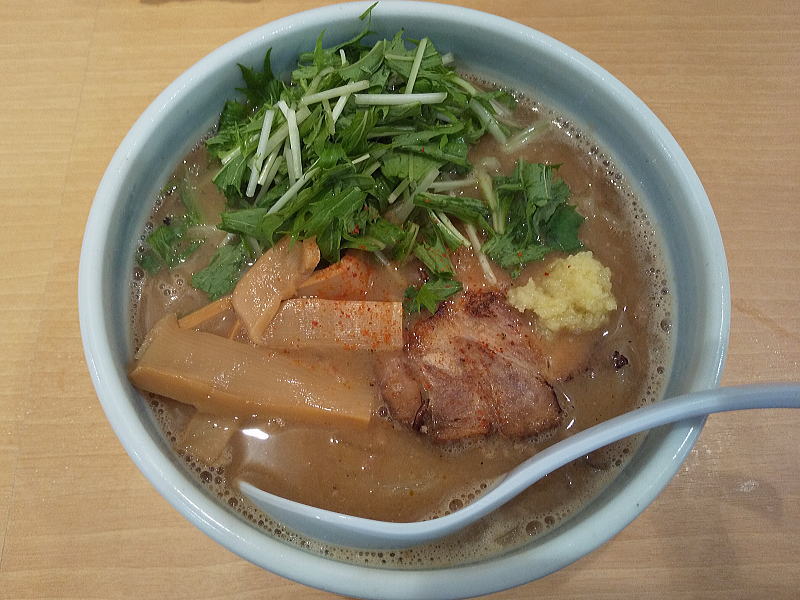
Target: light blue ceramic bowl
{"x":506,"y":51}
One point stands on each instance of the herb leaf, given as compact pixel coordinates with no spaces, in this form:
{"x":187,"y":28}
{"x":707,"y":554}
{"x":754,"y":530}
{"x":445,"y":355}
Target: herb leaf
{"x":189,"y":200}
{"x":220,"y":276}
{"x":403,"y":165}
{"x":261,"y":86}
{"x":149,"y":261}
{"x":170,"y":244}
{"x":435,"y":257}
{"x":532,"y":204}
{"x":434,"y":291}
{"x":563,"y":226}
{"x":470,"y":210}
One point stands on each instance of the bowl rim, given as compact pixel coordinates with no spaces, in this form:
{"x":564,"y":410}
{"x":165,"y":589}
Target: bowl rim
{"x":472,"y":579}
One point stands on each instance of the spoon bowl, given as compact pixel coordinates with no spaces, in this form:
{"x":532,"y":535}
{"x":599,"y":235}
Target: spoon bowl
{"x":357,"y":532}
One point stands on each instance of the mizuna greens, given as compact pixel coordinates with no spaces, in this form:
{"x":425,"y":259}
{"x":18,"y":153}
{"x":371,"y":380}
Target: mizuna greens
{"x":360,"y":149}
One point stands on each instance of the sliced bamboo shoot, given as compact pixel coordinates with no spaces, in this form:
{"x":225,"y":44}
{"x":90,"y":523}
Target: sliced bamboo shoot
{"x":207,"y":312}
{"x":227,"y":378}
{"x":345,"y":324}
{"x":237,"y":331}
{"x":273,"y":278}
{"x":347,"y":279}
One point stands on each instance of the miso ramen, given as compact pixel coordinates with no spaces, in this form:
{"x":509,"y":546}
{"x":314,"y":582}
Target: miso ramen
{"x":378,"y":286}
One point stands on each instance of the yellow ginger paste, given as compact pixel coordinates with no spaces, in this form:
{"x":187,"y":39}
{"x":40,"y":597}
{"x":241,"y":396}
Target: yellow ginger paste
{"x":573,"y":294}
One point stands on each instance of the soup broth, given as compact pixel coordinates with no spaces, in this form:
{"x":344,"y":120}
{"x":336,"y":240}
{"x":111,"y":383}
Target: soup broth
{"x":390,"y":472}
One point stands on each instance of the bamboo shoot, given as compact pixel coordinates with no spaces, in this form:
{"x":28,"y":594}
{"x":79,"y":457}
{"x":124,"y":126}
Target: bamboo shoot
{"x":349,"y":325}
{"x":273,"y":278}
{"x":227,"y":378}
{"x":207,"y":312}
{"x":348,"y":279}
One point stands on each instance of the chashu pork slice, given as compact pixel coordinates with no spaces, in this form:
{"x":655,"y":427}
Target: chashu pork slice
{"x":475,"y":371}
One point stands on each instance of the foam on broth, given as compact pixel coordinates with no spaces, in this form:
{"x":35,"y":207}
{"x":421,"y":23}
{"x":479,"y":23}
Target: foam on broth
{"x":430,"y":480}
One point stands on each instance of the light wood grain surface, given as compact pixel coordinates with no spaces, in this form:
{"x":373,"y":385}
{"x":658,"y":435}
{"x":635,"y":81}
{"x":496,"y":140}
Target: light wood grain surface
{"x":77,"y":520}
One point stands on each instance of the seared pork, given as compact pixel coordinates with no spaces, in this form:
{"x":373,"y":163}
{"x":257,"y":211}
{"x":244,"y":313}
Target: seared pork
{"x":469,"y":371}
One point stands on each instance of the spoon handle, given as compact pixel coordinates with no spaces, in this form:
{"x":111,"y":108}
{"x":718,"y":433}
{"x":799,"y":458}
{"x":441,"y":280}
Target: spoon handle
{"x":675,"y":409}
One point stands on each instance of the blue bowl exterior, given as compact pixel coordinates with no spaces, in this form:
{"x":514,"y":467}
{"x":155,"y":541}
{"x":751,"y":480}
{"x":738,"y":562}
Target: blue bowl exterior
{"x":506,"y":51}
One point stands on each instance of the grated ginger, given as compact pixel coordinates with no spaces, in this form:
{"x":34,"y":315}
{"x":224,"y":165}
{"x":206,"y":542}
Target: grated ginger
{"x":574,"y":294}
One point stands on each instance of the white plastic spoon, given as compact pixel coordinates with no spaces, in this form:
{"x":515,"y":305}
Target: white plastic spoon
{"x":346,"y":530}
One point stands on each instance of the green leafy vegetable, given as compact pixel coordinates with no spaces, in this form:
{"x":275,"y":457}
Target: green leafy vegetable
{"x":149,"y":261}
{"x":403,"y":165}
{"x":407,"y":243}
{"x":169,"y":245}
{"x":470,"y":210}
{"x":435,"y":258}
{"x":189,"y":200}
{"x":433,"y":292}
{"x":379,"y":235}
{"x":360,"y":176}
{"x":261,"y":87}
{"x":563,"y":229}
{"x":220,"y":276}
{"x":532,"y":205}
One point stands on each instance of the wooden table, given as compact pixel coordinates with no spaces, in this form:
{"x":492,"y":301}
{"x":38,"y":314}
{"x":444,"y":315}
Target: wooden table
{"x":77,"y":520}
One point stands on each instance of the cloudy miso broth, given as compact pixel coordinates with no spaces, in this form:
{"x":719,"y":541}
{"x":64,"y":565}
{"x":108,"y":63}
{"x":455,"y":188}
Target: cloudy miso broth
{"x":389,"y":471}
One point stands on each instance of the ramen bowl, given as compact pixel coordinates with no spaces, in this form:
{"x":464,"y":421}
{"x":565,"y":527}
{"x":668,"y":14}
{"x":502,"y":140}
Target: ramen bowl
{"x":501,"y":50}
